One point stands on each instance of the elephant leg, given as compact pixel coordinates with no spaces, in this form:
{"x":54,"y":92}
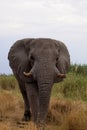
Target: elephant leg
{"x":32,"y":92}
{"x":27,"y":113}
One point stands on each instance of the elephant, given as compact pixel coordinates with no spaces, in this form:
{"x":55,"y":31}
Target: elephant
{"x":38,"y":63}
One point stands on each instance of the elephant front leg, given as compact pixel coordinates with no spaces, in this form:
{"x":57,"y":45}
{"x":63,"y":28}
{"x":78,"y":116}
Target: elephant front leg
{"x":32,"y":93}
{"x":27,"y":113}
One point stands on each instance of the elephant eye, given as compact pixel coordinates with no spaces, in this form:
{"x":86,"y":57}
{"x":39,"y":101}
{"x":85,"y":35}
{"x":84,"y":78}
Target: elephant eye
{"x":31,"y":60}
{"x":57,"y":59}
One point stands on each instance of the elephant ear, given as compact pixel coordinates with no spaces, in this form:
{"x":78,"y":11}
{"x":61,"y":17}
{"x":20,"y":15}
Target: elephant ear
{"x":18,"y":58}
{"x":63,"y":61}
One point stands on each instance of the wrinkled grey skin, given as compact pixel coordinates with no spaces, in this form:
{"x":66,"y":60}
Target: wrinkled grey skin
{"x":44,"y":59}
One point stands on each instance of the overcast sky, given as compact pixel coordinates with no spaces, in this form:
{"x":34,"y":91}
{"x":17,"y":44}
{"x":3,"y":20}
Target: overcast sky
{"x":64,"y":20}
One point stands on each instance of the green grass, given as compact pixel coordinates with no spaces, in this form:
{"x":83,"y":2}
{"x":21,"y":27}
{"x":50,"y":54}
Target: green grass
{"x":74,"y":86}
{"x":8,"y":82}
{"x":79,"y":69}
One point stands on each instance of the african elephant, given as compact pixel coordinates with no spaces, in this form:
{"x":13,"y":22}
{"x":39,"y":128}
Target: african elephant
{"x":37,"y":64}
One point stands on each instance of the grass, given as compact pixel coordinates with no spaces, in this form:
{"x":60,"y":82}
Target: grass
{"x":8,"y":82}
{"x":63,"y":114}
{"x":68,"y":105}
{"x":74,"y":87}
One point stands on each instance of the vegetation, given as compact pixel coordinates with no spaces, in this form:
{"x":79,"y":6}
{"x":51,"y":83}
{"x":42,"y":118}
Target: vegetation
{"x":74,"y":86}
{"x":68,"y":106}
{"x":8,"y":82}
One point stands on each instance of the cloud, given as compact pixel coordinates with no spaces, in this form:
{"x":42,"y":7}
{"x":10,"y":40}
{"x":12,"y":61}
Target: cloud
{"x":37,"y":16}
{"x":29,"y":9}
{"x":65,"y":20}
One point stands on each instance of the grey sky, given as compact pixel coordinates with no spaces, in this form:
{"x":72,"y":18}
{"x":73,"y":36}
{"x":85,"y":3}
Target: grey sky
{"x":65,"y":20}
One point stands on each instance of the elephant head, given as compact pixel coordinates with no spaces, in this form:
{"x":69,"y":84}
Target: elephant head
{"x":37,"y":64}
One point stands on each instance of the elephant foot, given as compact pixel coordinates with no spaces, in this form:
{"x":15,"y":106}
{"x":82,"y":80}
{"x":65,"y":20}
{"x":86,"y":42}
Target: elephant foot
{"x":27,"y":116}
{"x":40,"y":126}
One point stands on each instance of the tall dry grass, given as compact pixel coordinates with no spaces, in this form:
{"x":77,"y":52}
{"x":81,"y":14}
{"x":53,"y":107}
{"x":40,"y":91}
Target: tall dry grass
{"x":63,"y":114}
{"x":68,"y":114}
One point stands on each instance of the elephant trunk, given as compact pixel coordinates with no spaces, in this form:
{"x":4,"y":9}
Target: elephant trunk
{"x":45,"y":82}
{"x":44,"y":97}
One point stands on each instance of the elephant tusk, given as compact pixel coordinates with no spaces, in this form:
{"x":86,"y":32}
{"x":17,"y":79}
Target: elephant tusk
{"x":27,"y":74}
{"x":61,"y":75}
